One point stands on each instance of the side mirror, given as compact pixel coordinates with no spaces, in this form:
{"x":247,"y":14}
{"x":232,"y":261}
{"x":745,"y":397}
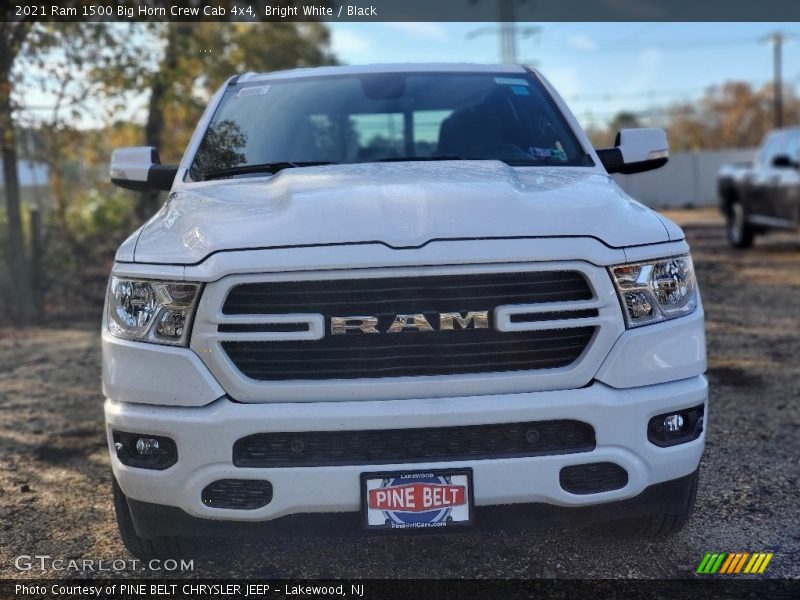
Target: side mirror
{"x":636,"y":151}
{"x":784,"y":161}
{"x":140,"y":169}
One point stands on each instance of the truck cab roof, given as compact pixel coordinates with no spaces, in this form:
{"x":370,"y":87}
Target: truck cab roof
{"x":339,"y":70}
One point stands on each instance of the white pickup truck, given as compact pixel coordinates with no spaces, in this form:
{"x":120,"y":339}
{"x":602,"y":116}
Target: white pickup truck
{"x":398,"y":297}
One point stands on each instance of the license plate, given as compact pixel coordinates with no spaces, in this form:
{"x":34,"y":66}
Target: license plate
{"x":417,"y":499}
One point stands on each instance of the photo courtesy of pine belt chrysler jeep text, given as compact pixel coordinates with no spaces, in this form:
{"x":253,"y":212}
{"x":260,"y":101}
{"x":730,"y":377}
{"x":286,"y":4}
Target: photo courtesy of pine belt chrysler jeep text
{"x":398,"y":297}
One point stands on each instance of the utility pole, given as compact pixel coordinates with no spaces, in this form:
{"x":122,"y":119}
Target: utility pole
{"x":508,"y":31}
{"x":777,"y":39}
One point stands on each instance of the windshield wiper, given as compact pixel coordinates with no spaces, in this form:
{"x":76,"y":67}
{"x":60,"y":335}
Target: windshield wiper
{"x":585,"y":161}
{"x":416,"y":158}
{"x":273,"y":167}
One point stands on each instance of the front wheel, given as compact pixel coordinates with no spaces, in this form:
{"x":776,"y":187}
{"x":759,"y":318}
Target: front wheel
{"x":173,"y":547}
{"x":740,"y":232}
{"x":663,"y":524}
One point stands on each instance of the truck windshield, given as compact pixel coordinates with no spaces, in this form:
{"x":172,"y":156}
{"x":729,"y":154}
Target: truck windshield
{"x":269,"y":125}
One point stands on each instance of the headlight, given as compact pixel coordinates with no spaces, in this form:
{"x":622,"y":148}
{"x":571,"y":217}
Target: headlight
{"x":656,"y":290}
{"x":153,"y":311}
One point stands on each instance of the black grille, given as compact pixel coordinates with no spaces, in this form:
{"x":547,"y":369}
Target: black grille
{"x":330,"y":448}
{"x":243,"y":494}
{"x":593,"y":478}
{"x":554,"y":315}
{"x":358,"y":355}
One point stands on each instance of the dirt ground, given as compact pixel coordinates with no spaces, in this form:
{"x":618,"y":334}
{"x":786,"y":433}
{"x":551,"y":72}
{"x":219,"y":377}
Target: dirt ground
{"x":55,"y":478}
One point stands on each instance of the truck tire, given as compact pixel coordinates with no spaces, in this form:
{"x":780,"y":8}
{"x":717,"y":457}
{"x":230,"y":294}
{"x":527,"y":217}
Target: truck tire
{"x":663,"y":524}
{"x":740,"y":232}
{"x":147,"y":549}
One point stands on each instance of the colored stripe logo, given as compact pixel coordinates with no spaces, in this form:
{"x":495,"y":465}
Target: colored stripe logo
{"x":733,"y":563}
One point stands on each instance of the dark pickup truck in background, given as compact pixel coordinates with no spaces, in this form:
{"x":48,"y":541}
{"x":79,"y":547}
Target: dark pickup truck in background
{"x":765,"y":194}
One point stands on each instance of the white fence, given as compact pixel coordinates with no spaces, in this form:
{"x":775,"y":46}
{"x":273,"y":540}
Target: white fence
{"x":688,"y":179}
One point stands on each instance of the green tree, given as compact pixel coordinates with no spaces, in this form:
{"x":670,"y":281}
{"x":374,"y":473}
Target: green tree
{"x":72,"y":68}
{"x":198,"y":57}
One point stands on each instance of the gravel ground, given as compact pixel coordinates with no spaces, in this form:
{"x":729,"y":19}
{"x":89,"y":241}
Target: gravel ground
{"x":55,"y":481}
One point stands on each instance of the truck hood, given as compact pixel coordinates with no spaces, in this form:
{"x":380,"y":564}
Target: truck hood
{"x":401,"y":205}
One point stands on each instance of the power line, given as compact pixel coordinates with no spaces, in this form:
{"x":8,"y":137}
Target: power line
{"x":656,"y":94}
{"x":668,"y":45}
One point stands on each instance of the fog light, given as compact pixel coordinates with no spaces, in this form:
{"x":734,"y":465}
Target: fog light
{"x":673,"y":423}
{"x":676,"y":427}
{"x":145,"y":451}
{"x":147,"y":447}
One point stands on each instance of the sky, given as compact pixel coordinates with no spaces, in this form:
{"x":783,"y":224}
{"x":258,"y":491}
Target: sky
{"x":599,"y":68}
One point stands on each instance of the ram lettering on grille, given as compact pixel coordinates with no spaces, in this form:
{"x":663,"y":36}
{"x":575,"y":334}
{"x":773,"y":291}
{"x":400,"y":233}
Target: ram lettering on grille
{"x":417,"y":322}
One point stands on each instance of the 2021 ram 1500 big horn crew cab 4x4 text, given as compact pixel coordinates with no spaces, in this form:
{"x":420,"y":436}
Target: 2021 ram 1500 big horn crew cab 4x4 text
{"x":401,"y":294}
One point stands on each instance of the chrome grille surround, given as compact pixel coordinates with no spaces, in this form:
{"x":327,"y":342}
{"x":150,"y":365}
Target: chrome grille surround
{"x":600,"y":312}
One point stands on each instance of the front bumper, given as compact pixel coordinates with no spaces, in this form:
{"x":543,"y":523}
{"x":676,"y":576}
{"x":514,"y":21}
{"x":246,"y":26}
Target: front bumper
{"x":205,"y":437}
